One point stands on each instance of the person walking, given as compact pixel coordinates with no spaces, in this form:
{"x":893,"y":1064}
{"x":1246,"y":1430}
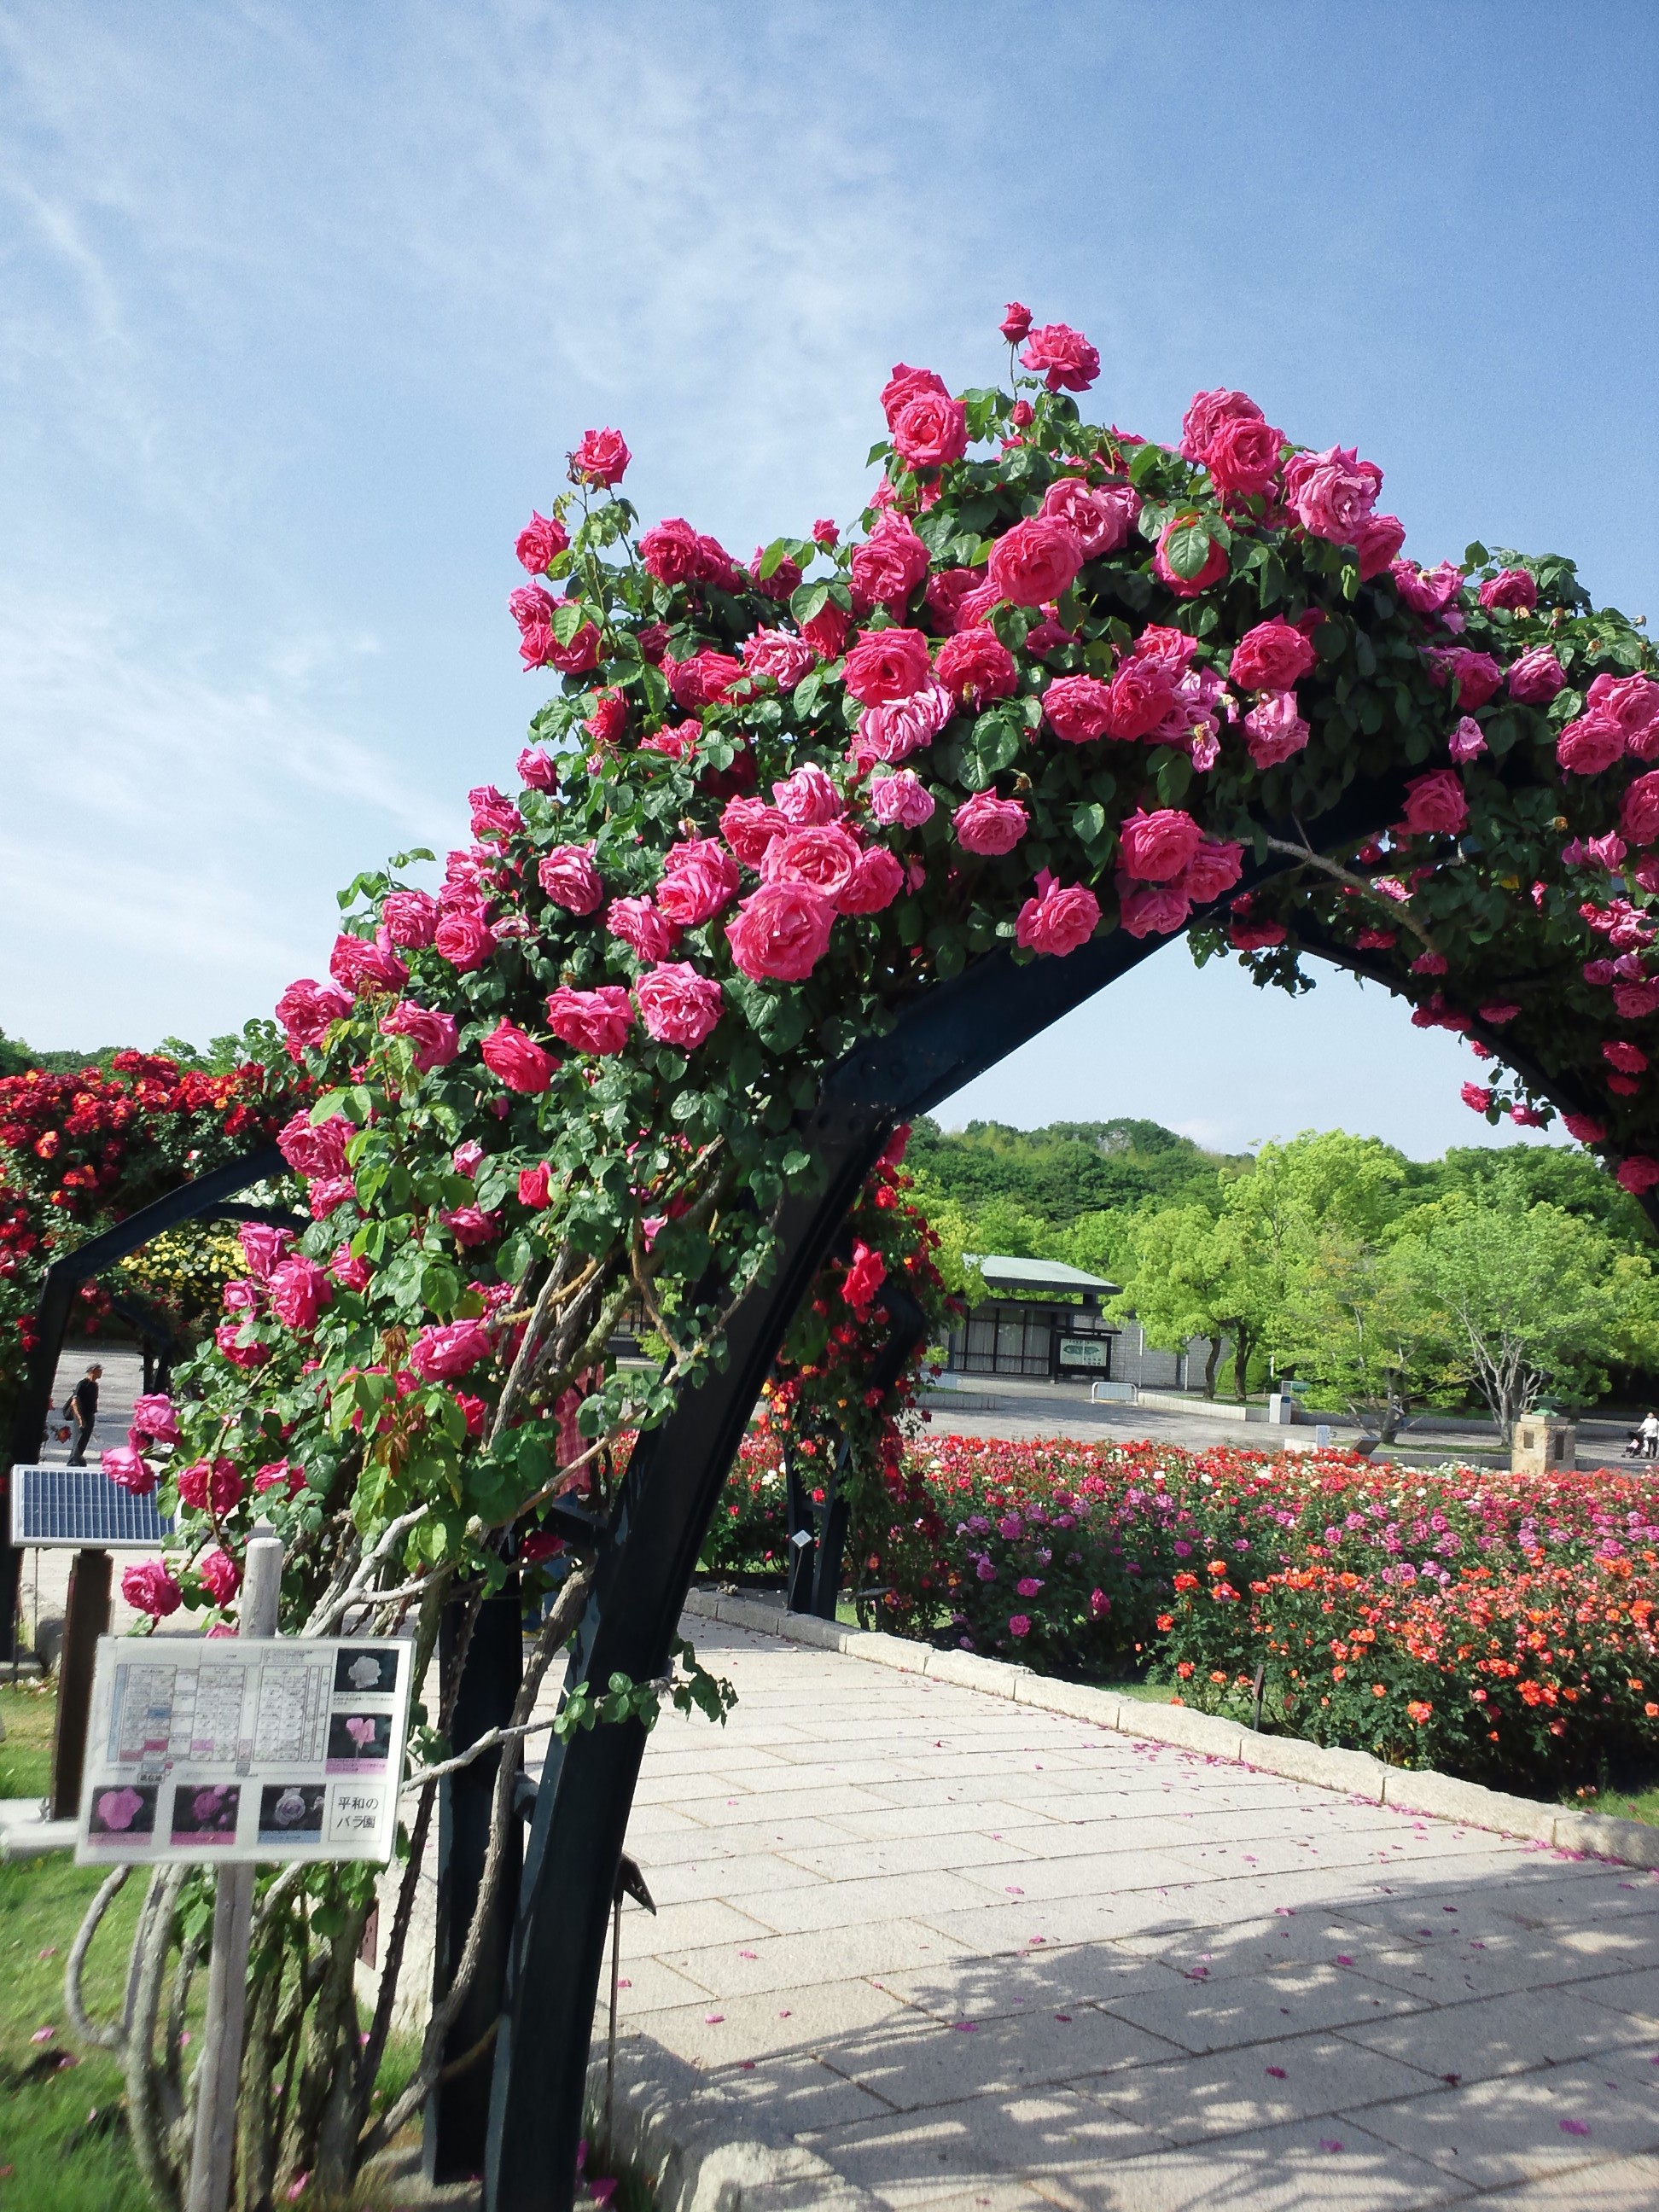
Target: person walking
{"x":1650,"y":1435}
{"x":82,"y":1410}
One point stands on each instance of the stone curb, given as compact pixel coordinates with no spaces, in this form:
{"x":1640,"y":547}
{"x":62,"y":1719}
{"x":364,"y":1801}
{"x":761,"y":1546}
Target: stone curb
{"x":1631,"y":1842}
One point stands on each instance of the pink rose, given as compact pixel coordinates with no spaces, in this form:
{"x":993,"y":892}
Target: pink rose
{"x":1634,"y":1002}
{"x":537,"y":769}
{"x":263,"y":1246}
{"x":1099,"y":520}
{"x":570,"y":879}
{"x":671,"y":552}
{"x":463,"y":937}
{"x":595,"y":1021}
{"x":826,"y":533}
{"x":1376,"y":538}
{"x":637,"y":922}
{"x":704,"y":680}
{"x":438,"y":1354}
{"x":929,"y":430}
{"x":213,"y":1487}
{"x":1639,"y":810}
{"x":300,"y":1289}
{"x":1275,"y":656}
{"x":1331,"y":493}
{"x":351,"y":1270}
{"x":892,"y":732}
{"x":1152,"y":909}
{"x":1436,"y":804}
{"x":494,"y":814}
{"x":471,"y":1224}
{"x":1242,"y":456}
{"x":433,"y":1034}
{"x":601,"y":459}
{"x":127,"y":1468}
{"x":826,"y":632}
{"x":906,"y":384}
{"x":820,"y":857}
{"x":1476,"y":1098}
{"x":1157,"y":847}
{"x":864,"y":1276}
{"x":1035,"y":560}
{"x":531,"y":606}
{"x":1187,"y":587}
{"x":1078,"y":708}
{"x":749,"y":825}
{"x":1638,"y":1173}
{"x":543,"y":538}
{"x":315,"y":1149}
{"x":988,"y":825}
{"x":977,"y":666}
{"x":890,"y":564}
{"x":539,"y":647}
{"x":1628,"y":1059}
{"x":1633,"y":702}
{"x":874,"y":884}
{"x":1139,"y":697}
{"x":781,"y":931}
{"x":947,"y":593}
{"x":1477,"y":674}
{"x":1590,"y":744}
{"x":901,"y":801}
{"x":306,"y":1010}
{"x":887,"y":664}
{"x":410,"y":917}
{"x":1213,"y":868}
{"x":1468,"y":741}
{"x":1535,"y":678}
{"x":700,"y":879}
{"x":1016,"y":322}
{"x":1510,"y":587}
{"x":1206,"y":416}
{"x":1584,"y":1129}
{"x":1060,"y":919}
{"x":148,"y":1588}
{"x":774,"y":653}
{"x":221,"y":1576}
{"x":324,"y":1195}
{"x":517,"y":1059}
{"x":358,"y":966}
{"x":808,"y":797}
{"x":1425,"y":591}
{"x":1062,"y":357}
{"x":279,"y":1474}
{"x":677,"y":1005}
{"x":1274,"y":730}
{"x":154,"y":1413}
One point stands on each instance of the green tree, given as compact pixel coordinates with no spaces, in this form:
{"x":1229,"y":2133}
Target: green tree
{"x":1357,"y":1322}
{"x":1190,"y":1276}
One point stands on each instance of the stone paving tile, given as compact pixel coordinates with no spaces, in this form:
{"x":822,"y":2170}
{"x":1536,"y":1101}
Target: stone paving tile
{"x":1203,"y":2016}
{"x":783,"y":1962}
{"x":1512,"y":2130}
{"x":1622,"y":2185}
{"x":780,"y":2028}
{"x":1060,"y":1981}
{"x":1257,"y":2085}
{"x":1009,"y":2142}
{"x":750,"y":1874}
{"x":1297,"y":2168}
{"x":1511,"y":2034}
{"x":911,"y":2064}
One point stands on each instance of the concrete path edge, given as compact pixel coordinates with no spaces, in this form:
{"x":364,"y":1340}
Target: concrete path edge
{"x":1597,"y":1835}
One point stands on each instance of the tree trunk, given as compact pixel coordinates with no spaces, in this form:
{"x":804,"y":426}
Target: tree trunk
{"x":1210,"y":1365}
{"x":1241,"y":1349}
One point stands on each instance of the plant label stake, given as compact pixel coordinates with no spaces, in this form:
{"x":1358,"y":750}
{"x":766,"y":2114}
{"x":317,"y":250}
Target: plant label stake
{"x":630,"y":1882}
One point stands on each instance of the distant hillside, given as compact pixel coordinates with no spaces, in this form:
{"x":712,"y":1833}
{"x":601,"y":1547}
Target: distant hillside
{"x":1066,"y":1169}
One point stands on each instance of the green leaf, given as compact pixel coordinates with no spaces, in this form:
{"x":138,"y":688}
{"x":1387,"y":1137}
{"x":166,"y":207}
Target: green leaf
{"x":1186,"y":549}
{"x":775,"y":554}
{"x":567,"y":619}
{"x":1088,"y":822}
{"x":1143,"y":466}
{"x":807,"y":600}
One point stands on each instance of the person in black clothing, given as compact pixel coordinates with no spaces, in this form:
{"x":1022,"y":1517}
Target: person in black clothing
{"x":82,"y":1410}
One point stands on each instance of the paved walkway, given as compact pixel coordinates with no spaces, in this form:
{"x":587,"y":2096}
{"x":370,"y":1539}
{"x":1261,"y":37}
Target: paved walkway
{"x":973,"y":1955}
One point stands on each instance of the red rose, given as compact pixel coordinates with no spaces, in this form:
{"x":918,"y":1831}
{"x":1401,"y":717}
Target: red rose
{"x":517,"y":1059}
{"x":671,"y":552}
{"x":1535,"y":678}
{"x":1628,"y":1059}
{"x":606,"y":719}
{"x":826,"y":632}
{"x":1035,"y":560}
{"x":906,"y":384}
{"x":463,"y":937}
{"x":1063,"y":357}
{"x":440,"y":1354}
{"x":677,"y":1005}
{"x":637,"y":922}
{"x":211,"y":1486}
{"x":1016,"y":322}
{"x":1213,"y":868}
{"x":774,"y":653}
{"x":1638,"y":1173}
{"x":702,"y":681}
{"x":808,"y":797}
{"x":307,"y":1009}
{"x":1274,"y":730}
{"x":1375,"y":540}
{"x":1080,"y":707}
{"x":534,"y":1186}
{"x":570,"y":879}
{"x":976,"y":666}
{"x":411,"y":918}
{"x":1436,"y":804}
{"x":1187,"y":587}
{"x":887,"y":663}
{"x":990,"y":826}
{"x":1477,"y":674}
{"x":1633,"y":702}
{"x":433,"y":1034}
{"x":1156,"y":847}
{"x":1100,"y":520}
{"x":1206,"y":416}
{"x":1273,"y":657}
{"x":781,"y":932}
{"x":300,"y":1289}
{"x":543,"y":538}
{"x":601,"y":459}
{"x":863,"y":1277}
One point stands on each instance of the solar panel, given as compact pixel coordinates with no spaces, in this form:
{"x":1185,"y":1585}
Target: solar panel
{"x":80,"y":1508}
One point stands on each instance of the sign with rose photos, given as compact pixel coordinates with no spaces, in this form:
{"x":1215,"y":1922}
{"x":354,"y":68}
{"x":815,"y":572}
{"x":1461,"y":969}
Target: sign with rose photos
{"x":217,"y":1750}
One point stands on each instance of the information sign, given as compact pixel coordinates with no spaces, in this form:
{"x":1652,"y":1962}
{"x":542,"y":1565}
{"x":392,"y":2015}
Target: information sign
{"x":226,"y":1750}
{"x":1085,"y":1350}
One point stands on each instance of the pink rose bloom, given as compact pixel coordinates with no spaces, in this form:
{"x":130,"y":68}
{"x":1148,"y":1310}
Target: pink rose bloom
{"x":573,"y":659}
{"x":351,"y":1270}
{"x":517,"y":1059}
{"x":211,"y":1488}
{"x":863,"y":1277}
{"x":1633,"y":702}
{"x":1060,"y":919}
{"x":704,"y":680}
{"x":1158,"y":846}
{"x":1639,"y":810}
{"x":127,"y":1468}
{"x":887,"y":664}
{"x":1638,"y":1173}
{"x":570,"y":879}
{"x":300,"y":1289}
{"x":1274,"y":730}
{"x":1477,"y":674}
{"x":700,"y":880}
{"x":316,"y":1149}
{"x":1170,"y":652}
{"x":221,"y":1576}
{"x":537,"y":769}
{"x":945,"y":594}
{"x":677,"y":1005}
{"x":596,"y":1021}
{"x":1376,"y":539}
{"x":494,"y":814}
{"x":892,"y":732}
{"x":440,"y":1354}
{"x":463,"y":937}
{"x":826,"y":533}
{"x":1476,"y":1098}
{"x":929,"y":430}
{"x":901,"y":801}
{"x":1139,"y":697}
{"x":1275,"y":656}
{"x":280,"y":1474}
{"x":1016,"y":322}
{"x":1628,"y":1059}
{"x":781,"y":932}
{"x":1468,"y":741}
{"x":531,"y":606}
{"x":820,"y":857}
{"x":471,"y":1225}
{"x":606,"y":719}
{"x":410,"y":917}
{"x":1099,"y":520}
{"x":1535,"y":678}
{"x":1062,"y":357}
{"x":324,"y":1195}
{"x":306,"y":1010}
{"x":906,"y":384}
{"x":1590,"y":745}
{"x":1079,"y":707}
{"x":808,"y":797}
{"x":874,"y":884}
{"x":601,"y":459}
{"x":433,"y":1034}
{"x":1584,"y":1129}
{"x":358,"y":966}
{"x":1207,"y":414}
{"x":1152,"y":909}
{"x":154,"y":1413}
{"x":1634,"y":1002}
{"x":890,"y":564}
{"x":1242,"y":456}
{"x":637,"y":922}
{"x":543,"y":538}
{"x":264,"y":1245}
{"x":1035,"y":560}
{"x":1214,"y":867}
{"x":749,"y":825}
{"x":988,"y":825}
{"x":1331,"y":493}
{"x":1436,"y":804}
{"x":535,"y":1186}
{"x":774,"y":653}
{"x":1510,"y":587}
{"x":1020,"y":1624}
{"x":671,"y":552}
{"x":977,"y":666}
{"x":148,"y":1588}
{"x":1425,"y":591}
{"x":1189,"y":587}
{"x":1646,"y":872}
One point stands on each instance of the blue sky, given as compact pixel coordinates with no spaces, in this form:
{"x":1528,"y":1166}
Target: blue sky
{"x":303,"y":306}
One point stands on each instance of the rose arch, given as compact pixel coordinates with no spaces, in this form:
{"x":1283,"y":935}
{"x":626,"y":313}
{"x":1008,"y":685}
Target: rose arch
{"x":803,"y":844}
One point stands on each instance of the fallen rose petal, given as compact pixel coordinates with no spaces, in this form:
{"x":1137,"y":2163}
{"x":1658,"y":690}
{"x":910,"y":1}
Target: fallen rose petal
{"x":1573,"y":2127}
{"x":712,"y":2019}
{"x":967,"y":2027}
{"x":1278,"y":2073}
{"x":1329,"y":2142}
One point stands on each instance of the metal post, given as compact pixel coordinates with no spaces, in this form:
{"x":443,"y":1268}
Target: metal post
{"x":86,"y":1617}
{"x":220,"y":2072}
